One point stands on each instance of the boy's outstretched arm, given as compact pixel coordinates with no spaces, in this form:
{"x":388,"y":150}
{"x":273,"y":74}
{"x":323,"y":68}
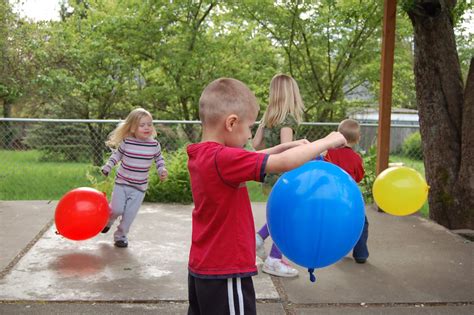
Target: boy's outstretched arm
{"x":284,"y":146}
{"x":297,"y":156}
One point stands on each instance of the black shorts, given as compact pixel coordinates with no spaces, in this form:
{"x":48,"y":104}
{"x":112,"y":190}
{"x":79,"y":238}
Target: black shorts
{"x":221,"y":296}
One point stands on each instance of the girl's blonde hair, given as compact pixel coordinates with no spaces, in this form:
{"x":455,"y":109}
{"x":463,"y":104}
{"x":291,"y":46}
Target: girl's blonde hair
{"x":128,"y":127}
{"x":285,"y":98}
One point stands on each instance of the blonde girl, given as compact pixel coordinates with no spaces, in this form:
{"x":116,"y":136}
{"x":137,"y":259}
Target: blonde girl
{"x":135,"y":150}
{"x":278,"y":125}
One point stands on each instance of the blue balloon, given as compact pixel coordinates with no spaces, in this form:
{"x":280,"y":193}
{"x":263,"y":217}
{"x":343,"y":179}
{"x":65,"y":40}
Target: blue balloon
{"x":315,"y":214}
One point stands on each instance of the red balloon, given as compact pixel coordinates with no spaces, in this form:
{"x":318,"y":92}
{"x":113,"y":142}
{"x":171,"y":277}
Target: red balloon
{"x":81,"y":213}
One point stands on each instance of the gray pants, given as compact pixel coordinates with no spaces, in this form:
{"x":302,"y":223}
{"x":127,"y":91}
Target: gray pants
{"x":125,"y":202}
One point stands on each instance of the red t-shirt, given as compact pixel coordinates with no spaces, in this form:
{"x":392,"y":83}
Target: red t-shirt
{"x":223,"y":235}
{"x":348,"y":160}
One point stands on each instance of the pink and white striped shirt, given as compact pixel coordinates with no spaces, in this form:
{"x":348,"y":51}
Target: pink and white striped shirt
{"x":135,"y":157}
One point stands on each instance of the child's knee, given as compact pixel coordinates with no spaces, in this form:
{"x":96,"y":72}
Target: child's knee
{"x":116,"y":211}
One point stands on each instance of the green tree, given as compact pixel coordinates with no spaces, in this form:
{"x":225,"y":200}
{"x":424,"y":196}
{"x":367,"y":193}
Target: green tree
{"x":16,"y":65}
{"x":182,"y":46}
{"x":403,"y":91}
{"x":83,"y":76}
{"x":327,"y":46}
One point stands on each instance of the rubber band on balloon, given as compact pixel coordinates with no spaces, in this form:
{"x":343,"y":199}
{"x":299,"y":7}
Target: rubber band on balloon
{"x":312,"y":277}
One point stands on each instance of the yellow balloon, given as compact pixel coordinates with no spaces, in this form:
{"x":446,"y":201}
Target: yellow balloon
{"x":400,"y":190}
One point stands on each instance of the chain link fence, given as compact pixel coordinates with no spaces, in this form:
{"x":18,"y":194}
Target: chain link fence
{"x":44,"y":158}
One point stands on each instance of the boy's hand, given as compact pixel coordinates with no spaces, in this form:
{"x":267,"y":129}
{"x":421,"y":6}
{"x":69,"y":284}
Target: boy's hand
{"x":336,"y":139}
{"x":163,"y":174}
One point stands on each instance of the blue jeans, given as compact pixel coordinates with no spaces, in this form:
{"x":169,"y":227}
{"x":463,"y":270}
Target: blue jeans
{"x":360,"y":250}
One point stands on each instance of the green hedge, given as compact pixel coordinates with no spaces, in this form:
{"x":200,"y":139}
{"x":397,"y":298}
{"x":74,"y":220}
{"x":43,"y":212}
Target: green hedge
{"x":412,"y":146}
{"x":370,"y":161}
{"x":176,"y":189}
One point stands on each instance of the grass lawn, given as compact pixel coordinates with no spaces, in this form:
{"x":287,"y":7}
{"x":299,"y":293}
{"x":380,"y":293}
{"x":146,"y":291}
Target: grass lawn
{"x":255,"y":192}
{"x":415,"y":164}
{"x":418,"y":166}
{"x":24,"y":177}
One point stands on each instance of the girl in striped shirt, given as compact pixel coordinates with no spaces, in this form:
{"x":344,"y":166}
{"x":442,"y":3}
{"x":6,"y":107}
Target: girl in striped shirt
{"x":135,"y":150}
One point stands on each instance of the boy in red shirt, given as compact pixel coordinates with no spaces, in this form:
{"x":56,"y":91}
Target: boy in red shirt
{"x":222,"y":255}
{"x":352,"y":163}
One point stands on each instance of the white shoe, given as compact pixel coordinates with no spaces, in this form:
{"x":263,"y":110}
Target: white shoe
{"x":260,"y":247}
{"x":278,"y":267}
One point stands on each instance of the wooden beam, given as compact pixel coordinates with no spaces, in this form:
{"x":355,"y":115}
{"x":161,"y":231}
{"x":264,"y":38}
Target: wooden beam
{"x":386,"y":77}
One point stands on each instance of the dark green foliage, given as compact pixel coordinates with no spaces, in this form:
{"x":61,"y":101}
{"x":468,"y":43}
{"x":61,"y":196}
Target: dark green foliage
{"x":412,"y":146}
{"x":407,"y":5}
{"x":174,"y":136}
{"x":370,"y":161}
{"x":99,"y":181}
{"x":313,"y":133}
{"x":10,"y":136}
{"x":60,"y":142}
{"x":177,"y":187}
{"x":68,"y":142}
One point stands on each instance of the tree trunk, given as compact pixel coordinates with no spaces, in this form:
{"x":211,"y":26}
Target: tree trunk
{"x":465,"y":183}
{"x":443,"y":114}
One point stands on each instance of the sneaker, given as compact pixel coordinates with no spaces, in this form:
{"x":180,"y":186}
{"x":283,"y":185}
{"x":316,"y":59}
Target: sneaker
{"x":106,"y":229}
{"x":260,"y":247}
{"x":121,"y":244}
{"x":279,"y":268}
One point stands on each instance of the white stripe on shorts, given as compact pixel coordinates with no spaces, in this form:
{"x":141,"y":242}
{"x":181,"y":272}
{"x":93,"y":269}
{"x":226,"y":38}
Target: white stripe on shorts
{"x":230,"y":296}
{"x":239,"y":294}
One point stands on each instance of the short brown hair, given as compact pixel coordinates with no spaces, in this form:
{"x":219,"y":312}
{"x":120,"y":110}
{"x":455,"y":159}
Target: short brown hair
{"x":223,"y":97}
{"x":350,"y":129}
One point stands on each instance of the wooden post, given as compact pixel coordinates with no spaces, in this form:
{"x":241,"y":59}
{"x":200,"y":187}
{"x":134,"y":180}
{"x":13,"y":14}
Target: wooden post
{"x":386,"y":76}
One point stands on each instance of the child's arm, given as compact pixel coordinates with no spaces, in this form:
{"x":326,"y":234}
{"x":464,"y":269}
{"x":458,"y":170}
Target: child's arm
{"x":257,"y":141}
{"x":160,"y":164}
{"x":114,"y":158}
{"x":297,"y":156}
{"x":286,"y":134}
{"x":284,"y":146}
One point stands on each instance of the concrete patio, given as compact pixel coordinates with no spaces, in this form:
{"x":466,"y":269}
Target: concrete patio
{"x":415,"y":267}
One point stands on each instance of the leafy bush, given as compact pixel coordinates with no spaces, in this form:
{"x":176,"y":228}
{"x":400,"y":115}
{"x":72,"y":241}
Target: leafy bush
{"x":370,"y":161}
{"x":99,"y":181}
{"x":412,"y":146}
{"x":176,"y":188}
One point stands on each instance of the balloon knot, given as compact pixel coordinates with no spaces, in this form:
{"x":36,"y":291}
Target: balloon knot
{"x":312,"y":278}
